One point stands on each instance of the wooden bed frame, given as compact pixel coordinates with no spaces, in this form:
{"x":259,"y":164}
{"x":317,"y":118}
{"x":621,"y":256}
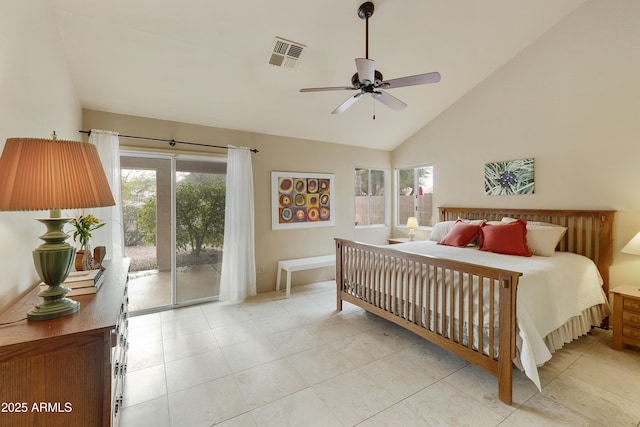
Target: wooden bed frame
{"x":398,"y":286}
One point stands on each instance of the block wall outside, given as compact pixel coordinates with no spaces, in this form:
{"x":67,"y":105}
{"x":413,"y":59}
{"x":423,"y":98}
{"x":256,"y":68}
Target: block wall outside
{"x":425,"y":209}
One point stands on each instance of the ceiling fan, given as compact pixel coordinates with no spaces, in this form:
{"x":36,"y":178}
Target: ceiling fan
{"x":369,"y":81}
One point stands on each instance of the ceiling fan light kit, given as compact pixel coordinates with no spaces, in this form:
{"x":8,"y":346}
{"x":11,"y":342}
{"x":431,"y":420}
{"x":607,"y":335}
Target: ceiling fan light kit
{"x":369,"y":81}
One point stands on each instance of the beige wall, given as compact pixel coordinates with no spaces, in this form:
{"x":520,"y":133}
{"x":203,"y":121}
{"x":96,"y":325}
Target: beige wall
{"x":571,"y":101}
{"x":275,"y":154}
{"x":36,"y":97}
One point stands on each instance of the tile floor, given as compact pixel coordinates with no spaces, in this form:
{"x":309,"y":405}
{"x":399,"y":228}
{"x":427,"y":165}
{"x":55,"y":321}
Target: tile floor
{"x":273,"y":361}
{"x":152,"y":289}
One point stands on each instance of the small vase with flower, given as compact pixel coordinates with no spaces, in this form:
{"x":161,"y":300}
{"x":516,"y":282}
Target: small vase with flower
{"x":84,"y":225}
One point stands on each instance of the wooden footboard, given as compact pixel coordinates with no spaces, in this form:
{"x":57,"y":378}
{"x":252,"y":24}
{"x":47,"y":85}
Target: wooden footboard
{"x":467,"y":309}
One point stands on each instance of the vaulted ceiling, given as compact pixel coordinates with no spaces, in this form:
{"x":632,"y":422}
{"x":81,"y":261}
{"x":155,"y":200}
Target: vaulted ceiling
{"x":206,"y":61}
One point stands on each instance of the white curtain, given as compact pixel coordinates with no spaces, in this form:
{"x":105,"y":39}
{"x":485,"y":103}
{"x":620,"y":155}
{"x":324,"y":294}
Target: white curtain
{"x":238,"y":278}
{"x":112,"y":234}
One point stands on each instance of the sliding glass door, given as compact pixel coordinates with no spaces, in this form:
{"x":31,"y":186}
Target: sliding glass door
{"x":200,"y":201}
{"x":146,"y":207}
{"x":173,"y":227}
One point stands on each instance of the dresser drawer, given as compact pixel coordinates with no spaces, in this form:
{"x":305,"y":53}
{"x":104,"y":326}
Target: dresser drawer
{"x":119,"y":359}
{"x":629,"y":318}
{"x":631,"y":304}
{"x":631,"y":332}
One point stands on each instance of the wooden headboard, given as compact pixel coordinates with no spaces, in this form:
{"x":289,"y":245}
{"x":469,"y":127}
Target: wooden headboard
{"x":589,"y":232}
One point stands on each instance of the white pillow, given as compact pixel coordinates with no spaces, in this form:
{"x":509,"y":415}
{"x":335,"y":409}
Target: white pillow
{"x":441,"y":229}
{"x":473,"y":221}
{"x":507,"y":220}
{"x":542,"y":237}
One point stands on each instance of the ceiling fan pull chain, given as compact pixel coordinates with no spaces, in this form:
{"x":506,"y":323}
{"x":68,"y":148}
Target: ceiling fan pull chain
{"x":374,"y":107}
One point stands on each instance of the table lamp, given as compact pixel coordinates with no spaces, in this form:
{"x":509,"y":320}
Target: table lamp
{"x":633,"y":246}
{"x":52,"y":174}
{"x":412,"y":224}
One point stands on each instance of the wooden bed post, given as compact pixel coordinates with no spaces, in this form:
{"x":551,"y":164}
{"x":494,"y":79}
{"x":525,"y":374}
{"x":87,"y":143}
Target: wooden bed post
{"x":506,"y":337}
{"x":606,"y":253}
{"x":338,"y":276}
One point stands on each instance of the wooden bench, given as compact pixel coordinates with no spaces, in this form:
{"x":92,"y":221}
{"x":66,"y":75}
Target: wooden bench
{"x":300,"y":264}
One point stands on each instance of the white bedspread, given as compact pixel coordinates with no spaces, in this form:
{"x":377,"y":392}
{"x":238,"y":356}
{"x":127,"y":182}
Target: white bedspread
{"x":551,"y":291}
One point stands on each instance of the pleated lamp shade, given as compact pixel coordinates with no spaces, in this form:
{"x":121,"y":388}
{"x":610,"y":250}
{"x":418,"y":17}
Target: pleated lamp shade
{"x":44,"y":174}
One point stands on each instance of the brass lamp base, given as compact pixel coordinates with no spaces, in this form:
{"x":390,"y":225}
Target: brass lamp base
{"x":53,"y":260}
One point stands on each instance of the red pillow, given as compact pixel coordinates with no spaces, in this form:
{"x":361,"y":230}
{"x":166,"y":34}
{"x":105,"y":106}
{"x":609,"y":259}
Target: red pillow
{"x":461,"y":234}
{"x":509,"y":239}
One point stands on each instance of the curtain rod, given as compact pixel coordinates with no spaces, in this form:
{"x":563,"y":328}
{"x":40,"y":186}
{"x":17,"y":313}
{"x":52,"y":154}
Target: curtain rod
{"x":172,"y":142}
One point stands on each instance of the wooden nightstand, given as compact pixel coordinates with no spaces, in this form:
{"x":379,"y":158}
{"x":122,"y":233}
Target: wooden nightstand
{"x":626,"y":316}
{"x":395,"y":240}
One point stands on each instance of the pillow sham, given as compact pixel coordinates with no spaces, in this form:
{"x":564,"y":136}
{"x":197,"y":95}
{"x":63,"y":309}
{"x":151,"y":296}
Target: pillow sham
{"x":462,"y":233}
{"x":441,"y":229}
{"x":506,"y":220}
{"x":542,"y":237}
{"x":508,"y":239}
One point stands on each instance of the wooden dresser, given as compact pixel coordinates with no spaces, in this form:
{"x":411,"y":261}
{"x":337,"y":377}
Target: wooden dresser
{"x":67,"y":371}
{"x":626,"y":315}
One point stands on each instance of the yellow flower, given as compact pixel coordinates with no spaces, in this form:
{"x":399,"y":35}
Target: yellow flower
{"x":84,"y":225}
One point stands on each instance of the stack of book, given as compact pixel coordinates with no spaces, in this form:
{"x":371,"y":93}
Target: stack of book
{"x":82,"y":282}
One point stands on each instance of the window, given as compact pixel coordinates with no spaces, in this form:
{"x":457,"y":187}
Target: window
{"x":369,"y":192}
{"x":415,"y":195}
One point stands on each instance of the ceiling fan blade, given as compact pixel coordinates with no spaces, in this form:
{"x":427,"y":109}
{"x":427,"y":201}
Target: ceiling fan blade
{"x":419,"y":79}
{"x":389,"y":100}
{"x":322,"y":89}
{"x":366,"y":70}
{"x":346,"y":104}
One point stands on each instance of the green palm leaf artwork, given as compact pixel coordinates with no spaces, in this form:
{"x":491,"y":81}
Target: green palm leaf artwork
{"x":510,"y":177}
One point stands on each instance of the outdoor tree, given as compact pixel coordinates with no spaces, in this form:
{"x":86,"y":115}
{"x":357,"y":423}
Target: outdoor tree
{"x":415,"y":190}
{"x":137,"y":187}
{"x":133,"y":235}
{"x":136,"y":184}
{"x":200,"y":208}
{"x":369,"y":182}
{"x":146,"y":218}
{"x":199,"y":216}
{"x":406,"y":177}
